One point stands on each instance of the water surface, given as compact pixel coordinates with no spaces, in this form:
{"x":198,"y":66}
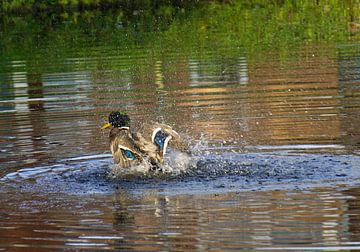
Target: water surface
{"x":272,"y":123}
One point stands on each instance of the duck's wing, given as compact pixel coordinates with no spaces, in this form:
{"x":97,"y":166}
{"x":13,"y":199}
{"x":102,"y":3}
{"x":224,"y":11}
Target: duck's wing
{"x":163,"y":136}
{"x":124,"y":149}
{"x":147,"y":148}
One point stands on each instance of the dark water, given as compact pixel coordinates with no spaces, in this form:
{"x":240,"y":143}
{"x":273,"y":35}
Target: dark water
{"x":275,"y":137}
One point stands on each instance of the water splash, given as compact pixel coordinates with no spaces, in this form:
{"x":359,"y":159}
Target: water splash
{"x":175,"y":163}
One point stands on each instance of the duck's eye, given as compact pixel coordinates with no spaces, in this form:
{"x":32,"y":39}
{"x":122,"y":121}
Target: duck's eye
{"x":128,"y":154}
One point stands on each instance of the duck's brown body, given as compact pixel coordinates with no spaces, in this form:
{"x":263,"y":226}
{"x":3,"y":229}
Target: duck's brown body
{"x":147,"y":145}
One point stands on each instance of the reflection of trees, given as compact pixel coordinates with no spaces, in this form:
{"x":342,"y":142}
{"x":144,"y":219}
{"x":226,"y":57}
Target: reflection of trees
{"x":150,"y":221}
{"x":6,"y":90}
{"x":229,"y":220}
{"x":353,"y":213}
{"x":193,"y":74}
{"x":26,"y":121}
{"x":295,"y":101}
{"x":209,"y":95}
{"x":36,"y":126}
{"x":35,"y":91}
{"x":273,"y":102}
{"x":349,"y":77}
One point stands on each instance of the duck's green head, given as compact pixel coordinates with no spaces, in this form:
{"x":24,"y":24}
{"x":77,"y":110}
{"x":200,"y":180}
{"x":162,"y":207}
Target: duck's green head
{"x":118,"y":120}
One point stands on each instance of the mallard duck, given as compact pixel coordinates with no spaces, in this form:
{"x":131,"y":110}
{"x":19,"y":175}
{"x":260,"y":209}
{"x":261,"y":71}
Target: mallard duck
{"x":147,"y":144}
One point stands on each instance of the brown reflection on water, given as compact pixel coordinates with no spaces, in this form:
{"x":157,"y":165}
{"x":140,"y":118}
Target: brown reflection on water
{"x":281,"y":101}
{"x":35,"y":91}
{"x":33,"y":143}
{"x":152,"y":222}
{"x":159,"y":219}
{"x":238,"y":100}
{"x":350,"y":91}
{"x":296,"y":102}
{"x":353,"y":213}
{"x":271,"y":101}
{"x":211,"y":98}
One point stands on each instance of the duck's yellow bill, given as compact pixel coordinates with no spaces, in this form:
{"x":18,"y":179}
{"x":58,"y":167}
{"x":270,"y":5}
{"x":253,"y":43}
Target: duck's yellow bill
{"x":106,"y":125}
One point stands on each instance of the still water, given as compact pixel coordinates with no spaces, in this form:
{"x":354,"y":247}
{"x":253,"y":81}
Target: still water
{"x":275,"y":137}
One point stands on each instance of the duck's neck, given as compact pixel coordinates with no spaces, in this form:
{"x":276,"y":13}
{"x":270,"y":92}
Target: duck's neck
{"x":116,"y":130}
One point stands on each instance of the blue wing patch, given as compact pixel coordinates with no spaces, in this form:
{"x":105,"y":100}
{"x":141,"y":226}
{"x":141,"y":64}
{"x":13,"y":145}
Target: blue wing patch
{"x":129,"y":154}
{"x":160,"y":138}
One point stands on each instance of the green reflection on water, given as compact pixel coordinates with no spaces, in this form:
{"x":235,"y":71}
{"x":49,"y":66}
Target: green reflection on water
{"x":251,"y":27}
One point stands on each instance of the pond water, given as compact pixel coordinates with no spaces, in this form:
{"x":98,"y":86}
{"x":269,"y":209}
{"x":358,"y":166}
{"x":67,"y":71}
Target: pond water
{"x":273,"y":125}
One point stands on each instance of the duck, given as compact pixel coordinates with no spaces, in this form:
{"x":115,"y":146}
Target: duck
{"x":147,"y":144}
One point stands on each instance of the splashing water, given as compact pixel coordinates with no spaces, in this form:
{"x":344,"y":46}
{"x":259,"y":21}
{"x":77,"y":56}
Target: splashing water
{"x":175,"y":163}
